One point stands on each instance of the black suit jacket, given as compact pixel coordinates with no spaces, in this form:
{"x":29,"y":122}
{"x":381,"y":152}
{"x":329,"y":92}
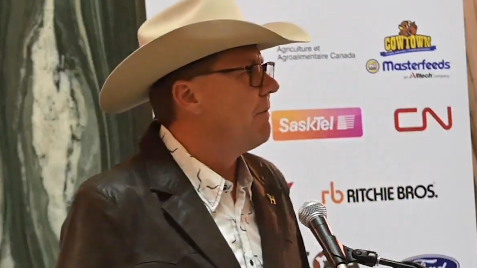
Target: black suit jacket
{"x":145,"y":213}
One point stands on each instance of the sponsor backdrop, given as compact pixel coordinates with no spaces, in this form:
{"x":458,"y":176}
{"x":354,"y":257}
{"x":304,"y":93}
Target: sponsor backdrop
{"x":372,"y":119}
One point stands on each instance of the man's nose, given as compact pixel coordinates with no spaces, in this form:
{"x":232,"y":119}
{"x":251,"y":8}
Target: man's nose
{"x":269,"y":86}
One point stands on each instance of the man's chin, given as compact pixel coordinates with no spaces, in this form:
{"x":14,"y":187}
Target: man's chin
{"x":261,"y":136}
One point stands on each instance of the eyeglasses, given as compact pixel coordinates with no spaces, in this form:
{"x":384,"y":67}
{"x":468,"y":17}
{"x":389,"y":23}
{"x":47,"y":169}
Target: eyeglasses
{"x":256,"y":72}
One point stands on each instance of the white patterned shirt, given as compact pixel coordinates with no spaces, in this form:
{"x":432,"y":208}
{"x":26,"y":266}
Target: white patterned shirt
{"x":236,"y":221}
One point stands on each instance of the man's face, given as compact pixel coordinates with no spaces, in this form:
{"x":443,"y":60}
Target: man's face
{"x":229,"y":105}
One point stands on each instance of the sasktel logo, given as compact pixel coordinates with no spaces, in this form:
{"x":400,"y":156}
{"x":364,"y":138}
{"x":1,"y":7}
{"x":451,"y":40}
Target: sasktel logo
{"x":317,"y":124}
{"x":378,"y":194}
{"x":425,"y":114}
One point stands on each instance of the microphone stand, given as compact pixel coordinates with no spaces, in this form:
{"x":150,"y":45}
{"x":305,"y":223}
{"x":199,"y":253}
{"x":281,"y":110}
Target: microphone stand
{"x":371,"y":258}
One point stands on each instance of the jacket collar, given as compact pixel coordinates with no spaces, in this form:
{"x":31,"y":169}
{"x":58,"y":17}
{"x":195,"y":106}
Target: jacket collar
{"x":186,"y":208}
{"x":209,"y":185}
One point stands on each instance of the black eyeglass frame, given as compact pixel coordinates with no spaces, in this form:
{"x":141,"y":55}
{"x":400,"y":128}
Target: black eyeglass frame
{"x":249,"y":70}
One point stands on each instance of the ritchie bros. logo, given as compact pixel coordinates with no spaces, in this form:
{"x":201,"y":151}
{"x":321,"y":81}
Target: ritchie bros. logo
{"x":378,"y":194}
{"x":407,"y":40}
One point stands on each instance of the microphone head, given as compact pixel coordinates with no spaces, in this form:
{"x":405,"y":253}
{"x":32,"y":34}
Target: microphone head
{"x":310,"y":211}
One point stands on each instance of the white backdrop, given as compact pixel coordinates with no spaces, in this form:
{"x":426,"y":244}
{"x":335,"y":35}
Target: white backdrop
{"x":364,"y":150}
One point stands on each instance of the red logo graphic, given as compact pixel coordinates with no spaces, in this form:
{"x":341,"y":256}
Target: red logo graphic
{"x":425,"y":113}
{"x":337,"y":196}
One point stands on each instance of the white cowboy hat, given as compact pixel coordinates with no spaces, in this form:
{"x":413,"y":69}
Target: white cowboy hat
{"x":181,"y":34}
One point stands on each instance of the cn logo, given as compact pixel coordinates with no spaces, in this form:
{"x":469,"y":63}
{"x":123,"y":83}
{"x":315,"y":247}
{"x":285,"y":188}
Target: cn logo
{"x":426,"y":112}
{"x":337,"y":196}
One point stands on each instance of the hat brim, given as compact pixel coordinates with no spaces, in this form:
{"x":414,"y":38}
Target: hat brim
{"x":129,"y":83}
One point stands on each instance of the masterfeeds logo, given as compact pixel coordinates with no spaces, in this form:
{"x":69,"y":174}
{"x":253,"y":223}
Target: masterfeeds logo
{"x":424,"y":65}
{"x":407,"y":41}
{"x":317,"y":124}
{"x":419,"y":69}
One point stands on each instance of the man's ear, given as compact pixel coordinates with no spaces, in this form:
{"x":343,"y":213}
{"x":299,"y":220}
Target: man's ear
{"x":185,"y":97}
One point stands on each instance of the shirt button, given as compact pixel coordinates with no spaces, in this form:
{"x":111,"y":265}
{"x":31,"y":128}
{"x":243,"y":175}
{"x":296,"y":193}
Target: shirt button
{"x":251,"y":262}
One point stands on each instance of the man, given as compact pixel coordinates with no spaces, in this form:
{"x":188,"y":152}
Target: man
{"x":193,"y":196}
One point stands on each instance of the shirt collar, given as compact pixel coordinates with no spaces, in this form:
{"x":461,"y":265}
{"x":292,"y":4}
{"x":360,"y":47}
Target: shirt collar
{"x":208,"y":184}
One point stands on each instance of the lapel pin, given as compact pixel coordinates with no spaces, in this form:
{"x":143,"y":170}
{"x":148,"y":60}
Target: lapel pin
{"x":272,"y":199}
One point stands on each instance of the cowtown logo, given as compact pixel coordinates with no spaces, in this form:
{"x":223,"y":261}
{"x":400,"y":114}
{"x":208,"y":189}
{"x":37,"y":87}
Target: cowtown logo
{"x":320,"y":261}
{"x":407,"y":41}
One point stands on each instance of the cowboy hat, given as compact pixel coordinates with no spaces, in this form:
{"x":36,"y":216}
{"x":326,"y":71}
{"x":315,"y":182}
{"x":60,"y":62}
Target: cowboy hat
{"x":181,"y":34}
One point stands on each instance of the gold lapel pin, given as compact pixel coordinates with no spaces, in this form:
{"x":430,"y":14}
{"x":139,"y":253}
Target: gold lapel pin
{"x":272,"y":199}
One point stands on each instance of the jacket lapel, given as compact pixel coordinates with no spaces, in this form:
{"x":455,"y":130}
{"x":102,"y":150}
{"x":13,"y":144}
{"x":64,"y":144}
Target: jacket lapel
{"x":184,"y":205}
{"x":188,"y":211}
{"x":266,"y":199}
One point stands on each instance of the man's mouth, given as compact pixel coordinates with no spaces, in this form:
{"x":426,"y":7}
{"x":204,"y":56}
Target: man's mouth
{"x":264,"y":111}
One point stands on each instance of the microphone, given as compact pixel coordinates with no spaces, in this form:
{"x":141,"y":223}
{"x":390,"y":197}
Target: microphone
{"x":313,"y":215}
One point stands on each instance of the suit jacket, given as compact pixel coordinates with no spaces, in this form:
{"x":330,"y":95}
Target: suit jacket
{"x":145,"y":213}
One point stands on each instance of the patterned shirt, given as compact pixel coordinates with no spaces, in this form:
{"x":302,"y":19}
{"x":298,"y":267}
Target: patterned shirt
{"x":236,"y":221}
